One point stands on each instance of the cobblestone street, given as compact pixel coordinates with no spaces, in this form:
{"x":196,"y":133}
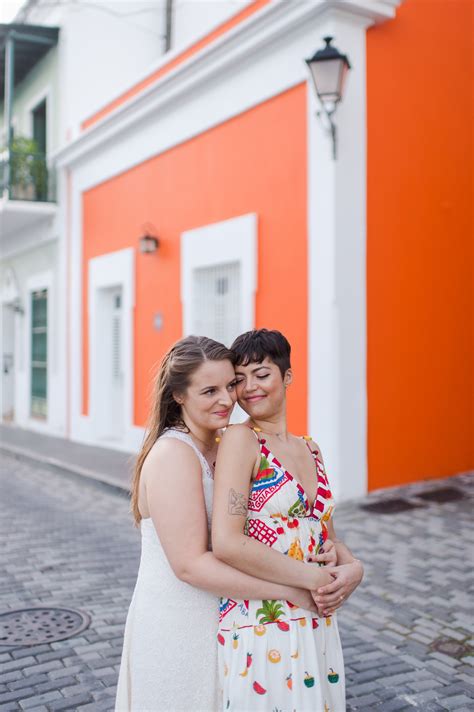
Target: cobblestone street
{"x":407,"y":633}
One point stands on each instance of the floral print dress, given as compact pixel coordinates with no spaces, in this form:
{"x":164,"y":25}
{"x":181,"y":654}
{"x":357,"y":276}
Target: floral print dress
{"x":274,"y":656}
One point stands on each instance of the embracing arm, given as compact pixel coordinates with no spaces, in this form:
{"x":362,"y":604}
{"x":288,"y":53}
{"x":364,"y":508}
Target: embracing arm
{"x":235,"y":463}
{"x":209,"y":573}
{"x":173,"y":486}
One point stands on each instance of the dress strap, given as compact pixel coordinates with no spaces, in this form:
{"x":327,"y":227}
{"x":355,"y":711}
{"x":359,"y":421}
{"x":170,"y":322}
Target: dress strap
{"x":186,"y":438}
{"x":308,"y":440}
{"x":256,"y":432}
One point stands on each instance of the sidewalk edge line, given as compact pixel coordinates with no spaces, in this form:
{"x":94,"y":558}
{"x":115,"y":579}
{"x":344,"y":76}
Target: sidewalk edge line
{"x":59,"y":465}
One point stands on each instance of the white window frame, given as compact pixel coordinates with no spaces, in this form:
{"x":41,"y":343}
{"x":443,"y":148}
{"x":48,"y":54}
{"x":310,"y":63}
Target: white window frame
{"x":233,"y":240}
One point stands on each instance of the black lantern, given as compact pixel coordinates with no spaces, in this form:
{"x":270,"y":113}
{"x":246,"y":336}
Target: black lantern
{"x":148,"y":244}
{"x":329,"y":69}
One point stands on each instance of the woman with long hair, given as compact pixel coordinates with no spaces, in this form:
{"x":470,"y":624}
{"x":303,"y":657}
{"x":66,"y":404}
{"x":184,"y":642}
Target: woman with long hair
{"x":272,"y":516}
{"x":169,"y":659}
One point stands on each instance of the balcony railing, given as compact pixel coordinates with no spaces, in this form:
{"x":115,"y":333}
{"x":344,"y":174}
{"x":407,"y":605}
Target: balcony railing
{"x":27,"y":176}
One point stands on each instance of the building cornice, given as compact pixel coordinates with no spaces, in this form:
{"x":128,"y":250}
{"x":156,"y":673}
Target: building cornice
{"x":275,"y":21}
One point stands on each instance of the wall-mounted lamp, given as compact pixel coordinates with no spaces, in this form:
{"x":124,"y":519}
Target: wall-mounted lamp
{"x":329,"y":70}
{"x":17,"y":306}
{"x":148,"y":244}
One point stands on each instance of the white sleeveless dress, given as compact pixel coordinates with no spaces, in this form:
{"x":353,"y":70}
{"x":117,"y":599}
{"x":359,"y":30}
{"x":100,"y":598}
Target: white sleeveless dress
{"x":169,"y":658}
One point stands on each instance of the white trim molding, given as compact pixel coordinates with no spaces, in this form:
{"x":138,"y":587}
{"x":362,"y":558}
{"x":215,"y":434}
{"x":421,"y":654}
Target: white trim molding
{"x":9,"y":291}
{"x":275,"y":22}
{"x":233,"y":240}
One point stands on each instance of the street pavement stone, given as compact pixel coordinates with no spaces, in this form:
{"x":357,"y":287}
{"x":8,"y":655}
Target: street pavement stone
{"x":69,"y":542}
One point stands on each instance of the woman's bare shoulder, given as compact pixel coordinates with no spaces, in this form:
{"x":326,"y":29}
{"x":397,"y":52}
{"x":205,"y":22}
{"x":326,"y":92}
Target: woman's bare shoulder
{"x":239,"y":434}
{"x":170,"y":454}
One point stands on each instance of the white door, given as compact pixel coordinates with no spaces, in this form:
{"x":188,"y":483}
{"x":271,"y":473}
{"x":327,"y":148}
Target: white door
{"x":8,"y":363}
{"x":107,"y":395}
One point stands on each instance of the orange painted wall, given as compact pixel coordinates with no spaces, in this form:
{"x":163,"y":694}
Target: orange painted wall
{"x":419,"y":282}
{"x":255,"y":162}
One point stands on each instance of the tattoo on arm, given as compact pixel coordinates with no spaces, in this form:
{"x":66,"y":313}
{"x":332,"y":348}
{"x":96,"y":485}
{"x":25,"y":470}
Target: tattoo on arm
{"x":237,"y":503}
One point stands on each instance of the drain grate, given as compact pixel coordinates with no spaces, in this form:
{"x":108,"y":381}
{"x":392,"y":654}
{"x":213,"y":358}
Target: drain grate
{"x":32,"y":626}
{"x":442,"y":494}
{"x":390,"y":506}
{"x":451,"y":647}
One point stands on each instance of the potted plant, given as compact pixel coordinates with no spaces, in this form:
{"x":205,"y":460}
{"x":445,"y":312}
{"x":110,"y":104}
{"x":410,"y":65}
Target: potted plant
{"x":28,"y":170}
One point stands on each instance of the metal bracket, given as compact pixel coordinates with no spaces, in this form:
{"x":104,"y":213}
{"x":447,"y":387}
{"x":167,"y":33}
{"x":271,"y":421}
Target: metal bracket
{"x":326,"y":120}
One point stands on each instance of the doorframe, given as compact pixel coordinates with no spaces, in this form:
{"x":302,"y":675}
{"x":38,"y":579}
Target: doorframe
{"x":115,"y":269}
{"x":7,"y":309}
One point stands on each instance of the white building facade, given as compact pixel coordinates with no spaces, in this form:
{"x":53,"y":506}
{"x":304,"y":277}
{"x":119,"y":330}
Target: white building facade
{"x":253,"y":62}
{"x":68,"y":60}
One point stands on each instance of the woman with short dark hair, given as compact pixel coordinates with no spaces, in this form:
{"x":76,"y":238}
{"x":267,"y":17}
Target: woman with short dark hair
{"x":272,"y":517}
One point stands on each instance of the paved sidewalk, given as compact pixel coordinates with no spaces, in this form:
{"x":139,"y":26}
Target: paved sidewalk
{"x":68,"y":543}
{"x":102,"y":464}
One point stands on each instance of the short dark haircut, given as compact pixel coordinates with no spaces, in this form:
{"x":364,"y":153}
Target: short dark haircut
{"x":256,"y":345}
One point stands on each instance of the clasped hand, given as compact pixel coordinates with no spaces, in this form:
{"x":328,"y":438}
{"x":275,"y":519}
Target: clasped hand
{"x":346,"y":579}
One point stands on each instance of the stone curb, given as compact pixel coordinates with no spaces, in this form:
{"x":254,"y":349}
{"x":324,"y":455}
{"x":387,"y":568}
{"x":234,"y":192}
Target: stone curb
{"x":65,"y":468}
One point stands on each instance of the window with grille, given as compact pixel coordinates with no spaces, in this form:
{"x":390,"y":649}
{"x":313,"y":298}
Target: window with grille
{"x":39,"y":353}
{"x":216,"y":301}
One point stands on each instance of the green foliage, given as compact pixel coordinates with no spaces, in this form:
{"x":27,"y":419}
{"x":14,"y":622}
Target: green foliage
{"x":28,"y":170}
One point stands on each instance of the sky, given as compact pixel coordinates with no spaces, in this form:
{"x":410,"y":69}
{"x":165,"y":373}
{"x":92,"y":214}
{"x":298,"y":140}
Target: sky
{"x":8,"y":9}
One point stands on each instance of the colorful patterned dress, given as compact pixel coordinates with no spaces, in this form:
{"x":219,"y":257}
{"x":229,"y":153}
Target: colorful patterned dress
{"x":274,"y":656}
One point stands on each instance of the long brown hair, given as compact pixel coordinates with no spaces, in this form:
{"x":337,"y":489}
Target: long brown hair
{"x":172,"y":378}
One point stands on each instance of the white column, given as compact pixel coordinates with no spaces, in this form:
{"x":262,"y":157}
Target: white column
{"x":337,"y":270}
{"x":61,"y":306}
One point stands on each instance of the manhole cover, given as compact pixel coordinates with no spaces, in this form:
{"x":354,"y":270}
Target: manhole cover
{"x":451,"y":647}
{"x":31,"y":626}
{"x":389,"y":506}
{"x":442,"y":494}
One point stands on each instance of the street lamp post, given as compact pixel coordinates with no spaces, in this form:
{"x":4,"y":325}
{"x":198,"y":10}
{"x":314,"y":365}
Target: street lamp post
{"x":329,"y":69}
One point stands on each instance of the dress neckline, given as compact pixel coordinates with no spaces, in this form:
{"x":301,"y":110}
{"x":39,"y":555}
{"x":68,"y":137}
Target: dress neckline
{"x":308,"y":506}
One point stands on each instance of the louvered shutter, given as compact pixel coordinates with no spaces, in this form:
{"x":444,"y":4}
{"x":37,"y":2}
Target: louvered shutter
{"x":216,"y":301}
